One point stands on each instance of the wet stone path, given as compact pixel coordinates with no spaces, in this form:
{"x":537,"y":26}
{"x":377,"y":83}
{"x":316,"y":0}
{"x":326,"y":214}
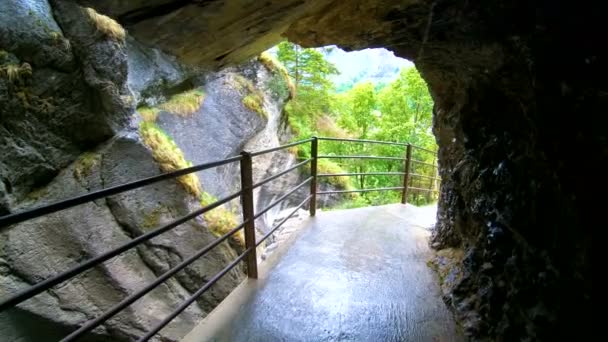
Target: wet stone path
{"x":351,"y":275}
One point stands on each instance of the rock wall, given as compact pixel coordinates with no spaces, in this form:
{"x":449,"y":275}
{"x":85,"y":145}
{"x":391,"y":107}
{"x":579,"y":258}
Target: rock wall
{"x":519,"y":103}
{"x":68,"y":91}
{"x":518,"y":117}
{"x":109,"y":69}
{"x":62,"y":88}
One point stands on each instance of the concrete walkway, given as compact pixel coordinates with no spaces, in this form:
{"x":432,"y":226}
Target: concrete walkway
{"x":351,"y":275}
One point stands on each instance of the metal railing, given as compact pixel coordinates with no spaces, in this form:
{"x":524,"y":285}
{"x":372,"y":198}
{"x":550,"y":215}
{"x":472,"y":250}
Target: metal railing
{"x":406,"y":173}
{"x":248,"y":225}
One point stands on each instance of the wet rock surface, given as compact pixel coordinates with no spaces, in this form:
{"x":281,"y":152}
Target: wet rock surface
{"x":355,"y":275}
{"x":519,"y":103}
{"x":69,"y":93}
{"x":508,"y":79}
{"x":41,"y":248}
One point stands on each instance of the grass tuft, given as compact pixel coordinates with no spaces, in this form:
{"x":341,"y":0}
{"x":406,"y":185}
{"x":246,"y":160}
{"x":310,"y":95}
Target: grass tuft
{"x":169,"y":156}
{"x":274,"y":66}
{"x":254,"y":102}
{"x":106,"y":25}
{"x":254,"y":98}
{"x":221,"y":220}
{"x":84,"y":165}
{"x":326,"y":126}
{"x":184,"y":104}
{"x":16,"y":73}
{"x":148,"y":114}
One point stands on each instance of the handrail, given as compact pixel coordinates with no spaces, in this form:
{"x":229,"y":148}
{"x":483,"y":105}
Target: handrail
{"x":248,"y":223}
{"x":74,"y":271}
{"x":359,"y":157}
{"x":278,"y":148}
{"x":284,"y":220}
{"x":361,"y":174}
{"x":424,"y":176}
{"x":364,"y":141}
{"x":360,"y":190}
{"x":25,"y":215}
{"x":376,"y":142}
{"x":281,"y":199}
{"x":284,"y":172}
{"x":422,"y":163}
{"x":90,"y":325}
{"x":195,"y":296}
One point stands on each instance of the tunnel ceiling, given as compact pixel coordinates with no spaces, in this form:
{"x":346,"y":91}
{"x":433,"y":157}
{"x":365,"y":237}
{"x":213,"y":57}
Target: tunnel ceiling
{"x":507,"y":77}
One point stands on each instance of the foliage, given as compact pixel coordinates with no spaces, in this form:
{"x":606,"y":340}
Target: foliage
{"x":278,"y":88}
{"x":168,"y":155}
{"x":310,"y":72}
{"x":221,"y":220}
{"x":184,"y":104}
{"x":148,"y":114}
{"x":170,"y":158}
{"x":278,"y":69}
{"x":253,"y":98}
{"x":84,"y":165}
{"x":399,"y":111}
{"x":106,"y":25}
{"x":254,"y":102}
{"x":16,"y":73}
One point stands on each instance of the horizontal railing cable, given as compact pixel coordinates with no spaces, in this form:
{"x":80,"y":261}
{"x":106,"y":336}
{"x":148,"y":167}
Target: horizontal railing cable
{"x":282,"y":198}
{"x":376,"y":142}
{"x":361,"y":174}
{"x":423,"y":163}
{"x":360,"y":157}
{"x":423,"y":176}
{"x":421,"y":189}
{"x":48,"y":283}
{"x":282,"y":147}
{"x":92,"y":324}
{"x":364,"y":141}
{"x":424,"y":149}
{"x":11,"y":219}
{"x":271,"y":178}
{"x":359,"y":190}
{"x":283,"y":220}
{"x":194,"y":297}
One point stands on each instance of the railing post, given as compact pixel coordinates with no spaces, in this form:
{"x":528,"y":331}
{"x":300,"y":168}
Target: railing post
{"x":406,"y":176}
{"x":313,"y":174}
{"x":429,"y":194}
{"x":248,"y":214}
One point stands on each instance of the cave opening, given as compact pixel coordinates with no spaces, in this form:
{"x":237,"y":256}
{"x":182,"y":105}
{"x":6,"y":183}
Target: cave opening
{"x":368,"y":94}
{"x":518,"y":115}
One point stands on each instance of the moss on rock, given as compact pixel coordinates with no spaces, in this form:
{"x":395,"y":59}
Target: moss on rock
{"x":221,"y":221}
{"x":274,"y":66}
{"x":184,"y":104}
{"x":84,"y":165}
{"x":254,"y":102}
{"x":168,"y":155}
{"x":106,"y":25}
{"x":148,"y":114}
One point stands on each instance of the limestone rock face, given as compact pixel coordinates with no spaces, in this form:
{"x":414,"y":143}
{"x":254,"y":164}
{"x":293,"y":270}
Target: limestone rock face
{"x":40,"y":248}
{"x":519,"y":106}
{"x":62,"y":90}
{"x":519,"y":118}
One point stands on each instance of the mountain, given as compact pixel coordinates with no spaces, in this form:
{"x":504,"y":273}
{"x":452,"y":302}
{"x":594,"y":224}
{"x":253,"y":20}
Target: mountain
{"x":379,"y":66}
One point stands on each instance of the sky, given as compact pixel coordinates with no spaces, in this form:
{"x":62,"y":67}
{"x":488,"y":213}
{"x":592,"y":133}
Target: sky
{"x":375,"y":65}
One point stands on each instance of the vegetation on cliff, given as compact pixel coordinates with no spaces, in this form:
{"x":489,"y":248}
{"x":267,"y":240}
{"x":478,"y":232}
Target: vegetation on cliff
{"x":398,"y":111}
{"x":171,"y":158}
{"x":184,"y":104}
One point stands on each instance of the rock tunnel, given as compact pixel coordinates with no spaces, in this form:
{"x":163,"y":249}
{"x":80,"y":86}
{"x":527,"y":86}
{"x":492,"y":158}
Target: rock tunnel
{"x":518,"y":118}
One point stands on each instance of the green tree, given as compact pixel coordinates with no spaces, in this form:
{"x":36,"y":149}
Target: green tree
{"x":314,"y":90}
